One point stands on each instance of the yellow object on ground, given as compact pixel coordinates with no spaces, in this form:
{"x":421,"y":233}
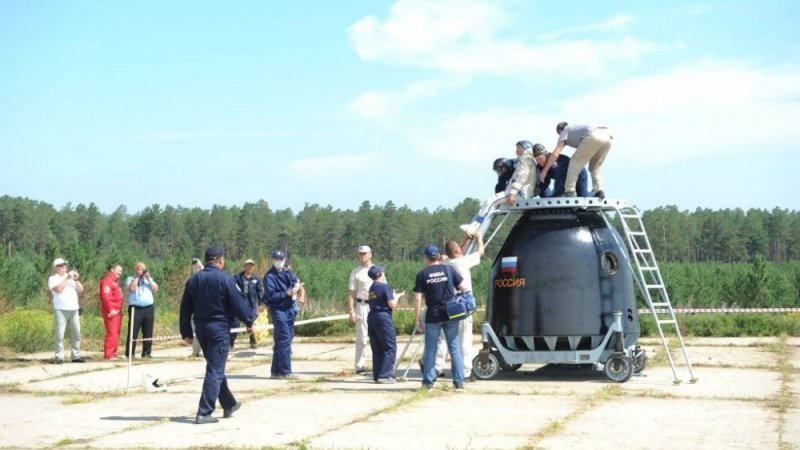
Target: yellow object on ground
{"x":262,"y":319}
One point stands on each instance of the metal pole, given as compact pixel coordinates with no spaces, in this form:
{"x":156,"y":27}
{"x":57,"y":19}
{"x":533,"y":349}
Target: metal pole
{"x":130,"y":348}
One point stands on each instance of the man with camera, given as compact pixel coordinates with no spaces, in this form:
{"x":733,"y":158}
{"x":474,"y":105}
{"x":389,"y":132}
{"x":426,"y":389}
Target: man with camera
{"x":141,"y":289}
{"x":65,"y":288}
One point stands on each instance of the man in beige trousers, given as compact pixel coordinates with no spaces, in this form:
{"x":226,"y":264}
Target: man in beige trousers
{"x":592,"y":143}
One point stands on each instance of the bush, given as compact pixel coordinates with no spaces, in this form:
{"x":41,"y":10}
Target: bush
{"x":27,"y":331}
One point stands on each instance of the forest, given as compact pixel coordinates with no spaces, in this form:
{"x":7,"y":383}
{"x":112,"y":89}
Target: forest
{"x":709,"y":257}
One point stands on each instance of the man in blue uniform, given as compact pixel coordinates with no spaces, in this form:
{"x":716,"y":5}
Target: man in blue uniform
{"x":212,"y":299}
{"x":558,"y":174}
{"x":438,"y":284}
{"x":280,"y":291}
{"x":382,"y":335}
{"x":252,"y":289}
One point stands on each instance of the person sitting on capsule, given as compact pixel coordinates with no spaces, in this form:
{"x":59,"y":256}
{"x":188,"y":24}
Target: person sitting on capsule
{"x":558,"y":175}
{"x":519,"y":185}
{"x":504,"y":168}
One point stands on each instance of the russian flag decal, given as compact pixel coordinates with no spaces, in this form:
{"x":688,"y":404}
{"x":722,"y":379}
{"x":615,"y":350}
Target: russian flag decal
{"x":508,"y":264}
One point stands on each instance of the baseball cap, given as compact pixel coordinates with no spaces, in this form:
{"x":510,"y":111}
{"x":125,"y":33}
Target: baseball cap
{"x":364,"y":249}
{"x":375,"y":271}
{"x":249,"y":261}
{"x":59,"y":261}
{"x":214,"y":252}
{"x":432,"y":251}
{"x":278,"y":254}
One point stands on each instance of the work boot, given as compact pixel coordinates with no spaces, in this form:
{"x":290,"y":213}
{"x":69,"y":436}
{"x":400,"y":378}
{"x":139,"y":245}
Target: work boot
{"x":205,"y":419}
{"x":569,"y":194}
{"x":600,"y":194}
{"x":227,"y":413}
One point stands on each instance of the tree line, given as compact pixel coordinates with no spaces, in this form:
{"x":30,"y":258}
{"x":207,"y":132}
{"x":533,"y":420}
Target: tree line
{"x":32,"y":233}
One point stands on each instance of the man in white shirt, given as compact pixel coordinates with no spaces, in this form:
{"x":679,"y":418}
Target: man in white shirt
{"x":462,"y":265}
{"x":65,"y":288}
{"x":357,"y":295}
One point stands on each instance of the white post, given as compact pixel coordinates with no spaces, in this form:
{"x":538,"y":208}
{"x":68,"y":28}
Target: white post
{"x":130,"y":348}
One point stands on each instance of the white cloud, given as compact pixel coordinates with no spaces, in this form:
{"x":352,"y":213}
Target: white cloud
{"x":707,"y":108}
{"x":381,"y":106}
{"x":459,"y":37}
{"x":175,"y":136}
{"x":713,"y":108}
{"x":615,"y":23}
{"x":326,"y":167}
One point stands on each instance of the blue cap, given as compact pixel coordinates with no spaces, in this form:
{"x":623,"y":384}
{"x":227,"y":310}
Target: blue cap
{"x":432,"y":251}
{"x":214,"y":252}
{"x":278,"y":254}
{"x":375,"y":271}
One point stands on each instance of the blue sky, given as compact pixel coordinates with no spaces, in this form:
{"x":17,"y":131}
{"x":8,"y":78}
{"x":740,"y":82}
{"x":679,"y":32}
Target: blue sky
{"x":197,"y":103}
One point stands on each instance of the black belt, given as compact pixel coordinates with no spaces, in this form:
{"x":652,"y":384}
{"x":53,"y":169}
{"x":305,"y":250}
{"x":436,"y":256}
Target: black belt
{"x":140,"y":307}
{"x":361,"y":300}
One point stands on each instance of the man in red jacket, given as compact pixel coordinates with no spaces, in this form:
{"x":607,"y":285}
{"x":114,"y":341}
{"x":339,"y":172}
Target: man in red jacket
{"x":111,"y":305}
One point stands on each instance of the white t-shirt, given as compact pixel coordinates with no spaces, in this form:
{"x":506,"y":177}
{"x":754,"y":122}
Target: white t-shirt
{"x":360,"y":282}
{"x":68,"y":298}
{"x":462,"y":264}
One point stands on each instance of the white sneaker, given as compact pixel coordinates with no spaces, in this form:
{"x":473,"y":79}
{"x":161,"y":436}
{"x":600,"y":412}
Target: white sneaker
{"x":470,"y":228}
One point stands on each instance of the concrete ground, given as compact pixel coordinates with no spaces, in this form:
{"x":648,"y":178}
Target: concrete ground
{"x":746,"y":397}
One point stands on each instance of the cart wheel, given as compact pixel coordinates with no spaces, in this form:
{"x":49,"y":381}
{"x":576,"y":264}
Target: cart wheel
{"x":639,"y":361}
{"x":488,"y":370}
{"x":509,"y":367}
{"x":619,"y":369}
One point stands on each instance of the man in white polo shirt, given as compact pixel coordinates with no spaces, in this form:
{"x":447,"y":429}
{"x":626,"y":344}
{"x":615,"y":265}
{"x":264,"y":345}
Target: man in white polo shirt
{"x":65,"y":288}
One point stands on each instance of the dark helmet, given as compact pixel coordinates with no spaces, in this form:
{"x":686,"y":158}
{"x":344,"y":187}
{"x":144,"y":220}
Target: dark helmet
{"x":504,"y":165}
{"x":498,"y":163}
{"x":278,"y":254}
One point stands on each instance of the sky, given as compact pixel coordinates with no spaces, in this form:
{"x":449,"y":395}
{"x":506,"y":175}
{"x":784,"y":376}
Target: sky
{"x":202,"y":103}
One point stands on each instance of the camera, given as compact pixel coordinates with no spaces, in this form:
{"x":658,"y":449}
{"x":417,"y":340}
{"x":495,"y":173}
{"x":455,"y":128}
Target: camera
{"x":73,"y":274}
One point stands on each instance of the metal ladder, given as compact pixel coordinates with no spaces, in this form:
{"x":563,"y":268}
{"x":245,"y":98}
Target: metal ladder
{"x":651,"y":284}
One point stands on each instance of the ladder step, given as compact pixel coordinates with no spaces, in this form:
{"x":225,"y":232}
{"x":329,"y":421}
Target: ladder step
{"x":668,"y":322}
{"x":629,"y":216}
{"x":642,"y":250}
{"x":654,"y":286}
{"x":648,"y":268}
{"x":637,"y":233}
{"x":660,"y":304}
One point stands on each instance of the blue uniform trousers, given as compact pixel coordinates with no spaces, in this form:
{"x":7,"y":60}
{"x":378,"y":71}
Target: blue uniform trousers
{"x":432,"y":331}
{"x":383,"y":342}
{"x":282,"y":334}
{"x":214,"y":339}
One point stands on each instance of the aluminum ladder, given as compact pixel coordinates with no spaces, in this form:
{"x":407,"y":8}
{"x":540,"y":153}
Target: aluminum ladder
{"x":651,"y":284}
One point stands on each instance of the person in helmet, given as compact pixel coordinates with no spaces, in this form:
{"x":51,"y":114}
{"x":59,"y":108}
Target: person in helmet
{"x":519,"y":185}
{"x":281,"y":287}
{"x":504,"y":168}
{"x":558,"y":176}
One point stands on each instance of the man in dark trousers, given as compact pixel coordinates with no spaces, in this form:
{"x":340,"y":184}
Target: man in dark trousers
{"x":280,"y":294}
{"x":212,"y":299}
{"x":252,"y":289}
